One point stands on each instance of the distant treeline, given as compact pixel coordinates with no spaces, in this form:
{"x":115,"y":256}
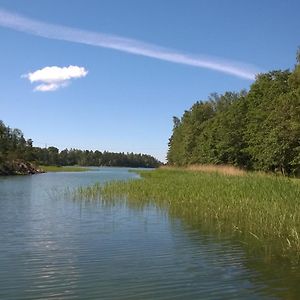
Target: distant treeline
{"x":255,"y":130}
{"x":13,"y":146}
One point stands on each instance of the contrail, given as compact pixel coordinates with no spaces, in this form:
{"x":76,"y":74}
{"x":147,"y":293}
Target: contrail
{"x":58,"y":32}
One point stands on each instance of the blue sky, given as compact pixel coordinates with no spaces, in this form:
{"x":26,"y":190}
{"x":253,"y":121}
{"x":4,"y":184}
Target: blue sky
{"x":126,"y":102}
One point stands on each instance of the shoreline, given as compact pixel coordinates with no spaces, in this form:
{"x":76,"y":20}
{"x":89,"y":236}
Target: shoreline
{"x":19,"y":167}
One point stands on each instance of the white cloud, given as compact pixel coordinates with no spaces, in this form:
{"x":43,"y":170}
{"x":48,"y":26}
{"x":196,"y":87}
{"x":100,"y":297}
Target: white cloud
{"x":57,"y":32}
{"x":49,"y":87}
{"x":53,"y":78}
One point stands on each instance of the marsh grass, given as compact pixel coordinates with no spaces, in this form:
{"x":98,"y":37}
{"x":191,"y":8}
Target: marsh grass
{"x":63,"y":169}
{"x":262,"y":211}
{"x":220,"y":169}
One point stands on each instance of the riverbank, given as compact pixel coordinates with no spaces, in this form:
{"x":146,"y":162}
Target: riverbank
{"x":19,"y":167}
{"x":262,"y":211}
{"x":64,"y":169}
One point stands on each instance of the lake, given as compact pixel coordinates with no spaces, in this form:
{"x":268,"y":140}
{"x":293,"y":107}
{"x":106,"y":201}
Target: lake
{"x":53,"y":247}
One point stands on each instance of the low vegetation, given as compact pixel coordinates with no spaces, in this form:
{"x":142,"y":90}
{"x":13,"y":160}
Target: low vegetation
{"x":63,"y":169}
{"x":220,"y":169}
{"x":262,"y":211}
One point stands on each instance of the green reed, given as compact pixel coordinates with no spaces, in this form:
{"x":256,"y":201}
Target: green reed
{"x":262,"y":211}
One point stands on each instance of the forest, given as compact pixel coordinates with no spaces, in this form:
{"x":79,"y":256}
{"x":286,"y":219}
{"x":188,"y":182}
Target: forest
{"x":13,"y":146}
{"x":257,"y":129}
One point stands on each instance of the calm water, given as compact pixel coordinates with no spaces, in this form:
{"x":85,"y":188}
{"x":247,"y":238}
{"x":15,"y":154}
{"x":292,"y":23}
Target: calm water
{"x":54,"y":248}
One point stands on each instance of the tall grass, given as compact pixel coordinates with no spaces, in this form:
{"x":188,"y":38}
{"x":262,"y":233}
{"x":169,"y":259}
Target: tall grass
{"x":221,"y":169}
{"x":262,"y":211}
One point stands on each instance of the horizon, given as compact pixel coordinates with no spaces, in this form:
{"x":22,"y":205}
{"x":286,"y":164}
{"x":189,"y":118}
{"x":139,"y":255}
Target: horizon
{"x":107,"y":77}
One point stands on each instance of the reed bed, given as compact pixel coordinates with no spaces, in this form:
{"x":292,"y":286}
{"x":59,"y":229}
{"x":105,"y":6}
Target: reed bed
{"x":220,"y":169}
{"x":262,"y":211}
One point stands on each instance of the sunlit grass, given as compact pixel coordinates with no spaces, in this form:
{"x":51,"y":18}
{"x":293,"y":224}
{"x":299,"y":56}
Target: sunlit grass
{"x":221,"y":169}
{"x":63,"y":169}
{"x":261,"y":210}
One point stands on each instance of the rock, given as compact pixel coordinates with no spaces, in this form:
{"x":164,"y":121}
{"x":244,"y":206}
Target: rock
{"x":19,"y":167}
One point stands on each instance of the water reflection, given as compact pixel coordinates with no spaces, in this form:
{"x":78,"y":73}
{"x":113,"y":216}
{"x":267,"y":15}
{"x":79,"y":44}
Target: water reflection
{"x":223,"y":257}
{"x":52,"y":247}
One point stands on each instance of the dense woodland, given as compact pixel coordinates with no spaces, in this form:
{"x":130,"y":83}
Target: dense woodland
{"x":255,"y":130}
{"x":13,"y":146}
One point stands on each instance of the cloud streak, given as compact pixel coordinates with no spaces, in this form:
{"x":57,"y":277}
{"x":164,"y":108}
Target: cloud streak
{"x":58,"y":32}
{"x":53,"y":78}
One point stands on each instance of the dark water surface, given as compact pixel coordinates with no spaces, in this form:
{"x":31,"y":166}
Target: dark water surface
{"x":54,"y":248}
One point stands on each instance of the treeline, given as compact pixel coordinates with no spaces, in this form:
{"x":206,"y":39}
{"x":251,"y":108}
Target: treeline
{"x":255,"y":130}
{"x":52,"y":156}
{"x":13,"y":146}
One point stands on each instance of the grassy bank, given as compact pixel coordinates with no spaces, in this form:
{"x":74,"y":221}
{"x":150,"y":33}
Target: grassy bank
{"x":63,"y":169}
{"x":262,"y":211}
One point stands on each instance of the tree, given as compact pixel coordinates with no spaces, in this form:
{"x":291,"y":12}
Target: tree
{"x":257,"y":130}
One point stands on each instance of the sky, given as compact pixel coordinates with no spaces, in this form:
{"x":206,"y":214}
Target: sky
{"x":110,"y":75}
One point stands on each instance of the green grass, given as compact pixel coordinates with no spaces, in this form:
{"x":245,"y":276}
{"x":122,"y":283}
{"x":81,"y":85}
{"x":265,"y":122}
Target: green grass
{"x":262,"y":211}
{"x":63,"y":169}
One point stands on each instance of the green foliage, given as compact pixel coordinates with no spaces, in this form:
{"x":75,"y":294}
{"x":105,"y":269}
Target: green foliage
{"x":258,"y":130}
{"x":186,"y":130}
{"x":12,"y":144}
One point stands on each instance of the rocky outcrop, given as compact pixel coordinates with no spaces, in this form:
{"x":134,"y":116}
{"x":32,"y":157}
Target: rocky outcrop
{"x":19,"y":167}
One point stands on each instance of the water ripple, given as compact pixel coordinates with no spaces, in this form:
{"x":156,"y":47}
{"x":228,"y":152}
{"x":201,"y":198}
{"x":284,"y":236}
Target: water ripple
{"x":53,"y":248}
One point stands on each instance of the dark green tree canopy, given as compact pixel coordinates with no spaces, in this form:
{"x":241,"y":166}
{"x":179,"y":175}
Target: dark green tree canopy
{"x":258,"y":130}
